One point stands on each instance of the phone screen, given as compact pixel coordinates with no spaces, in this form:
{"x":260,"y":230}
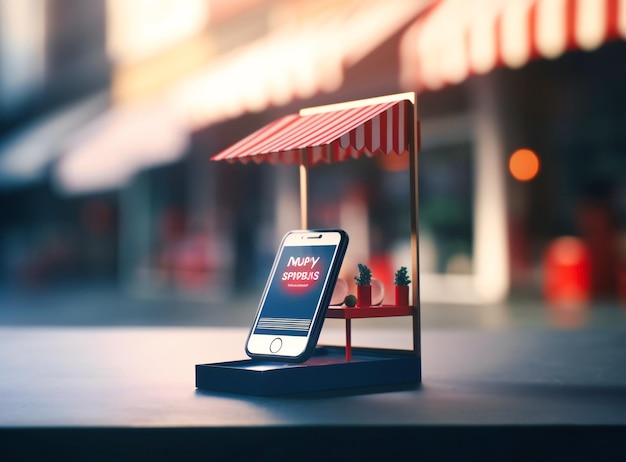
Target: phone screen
{"x":295,"y":290}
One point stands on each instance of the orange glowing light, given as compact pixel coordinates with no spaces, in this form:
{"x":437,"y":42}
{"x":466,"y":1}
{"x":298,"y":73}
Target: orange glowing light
{"x":524,"y":165}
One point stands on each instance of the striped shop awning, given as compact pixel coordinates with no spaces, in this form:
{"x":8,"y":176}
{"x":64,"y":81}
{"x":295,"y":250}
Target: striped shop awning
{"x":329,"y":136}
{"x":457,"y":38}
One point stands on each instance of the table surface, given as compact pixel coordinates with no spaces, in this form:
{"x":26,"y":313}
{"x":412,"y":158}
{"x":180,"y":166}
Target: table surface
{"x":133,"y":377}
{"x":145,"y":377}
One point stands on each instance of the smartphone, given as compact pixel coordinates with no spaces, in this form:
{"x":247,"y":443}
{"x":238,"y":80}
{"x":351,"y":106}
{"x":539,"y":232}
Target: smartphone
{"x":297,"y":294}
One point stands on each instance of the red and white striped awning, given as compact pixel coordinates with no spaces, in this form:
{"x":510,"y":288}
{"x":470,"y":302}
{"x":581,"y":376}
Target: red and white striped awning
{"x":327,"y":137}
{"x":457,"y":38}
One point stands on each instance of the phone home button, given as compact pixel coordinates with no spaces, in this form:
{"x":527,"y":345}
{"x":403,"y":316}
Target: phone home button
{"x":276,"y":345}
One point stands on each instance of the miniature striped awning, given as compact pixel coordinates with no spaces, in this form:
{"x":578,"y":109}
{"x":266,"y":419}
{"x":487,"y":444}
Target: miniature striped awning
{"x":328,"y":137}
{"x":457,"y":38}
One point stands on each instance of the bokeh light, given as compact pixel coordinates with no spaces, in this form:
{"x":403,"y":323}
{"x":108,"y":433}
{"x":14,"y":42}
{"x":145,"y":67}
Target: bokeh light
{"x":524,"y":165}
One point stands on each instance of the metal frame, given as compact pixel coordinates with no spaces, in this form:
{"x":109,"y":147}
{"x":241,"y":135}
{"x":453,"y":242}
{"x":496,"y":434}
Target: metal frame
{"x":414,"y":142}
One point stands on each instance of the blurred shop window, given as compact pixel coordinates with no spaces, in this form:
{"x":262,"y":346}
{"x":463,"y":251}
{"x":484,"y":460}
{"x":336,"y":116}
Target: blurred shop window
{"x":171,"y":242}
{"x":50,"y":242}
{"x":598,"y":220}
{"x":192,"y":261}
{"x":446,"y":189}
{"x":98,"y":220}
{"x":185,"y":258}
{"x":463,"y":211}
{"x":49,"y":256}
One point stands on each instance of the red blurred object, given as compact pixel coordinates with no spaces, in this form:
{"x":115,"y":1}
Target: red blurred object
{"x":567,"y":272}
{"x":599,"y":229}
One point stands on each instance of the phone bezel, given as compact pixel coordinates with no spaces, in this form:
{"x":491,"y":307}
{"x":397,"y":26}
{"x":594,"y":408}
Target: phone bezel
{"x":299,"y":348}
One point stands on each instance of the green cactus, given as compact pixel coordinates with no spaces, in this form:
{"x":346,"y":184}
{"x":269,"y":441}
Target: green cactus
{"x":402,"y":277}
{"x":365,"y":276}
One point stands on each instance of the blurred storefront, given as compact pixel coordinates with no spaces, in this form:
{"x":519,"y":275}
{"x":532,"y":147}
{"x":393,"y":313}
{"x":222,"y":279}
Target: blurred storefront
{"x":537,"y":42}
{"x":54,"y":74}
{"x":186,"y":80}
{"x":127,"y":170}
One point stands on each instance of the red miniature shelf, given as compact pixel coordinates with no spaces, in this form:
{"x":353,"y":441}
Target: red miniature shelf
{"x":382,"y":311}
{"x":361,"y":312}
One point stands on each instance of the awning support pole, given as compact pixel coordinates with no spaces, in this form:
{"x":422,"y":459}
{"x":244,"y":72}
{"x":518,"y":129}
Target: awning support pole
{"x":303,"y":194}
{"x":414,"y":137}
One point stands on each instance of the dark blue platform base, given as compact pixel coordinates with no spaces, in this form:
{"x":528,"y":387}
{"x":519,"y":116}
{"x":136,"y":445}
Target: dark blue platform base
{"x":327,"y":370}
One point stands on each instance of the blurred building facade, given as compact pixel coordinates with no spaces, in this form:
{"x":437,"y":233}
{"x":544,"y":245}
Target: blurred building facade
{"x":128,"y":195}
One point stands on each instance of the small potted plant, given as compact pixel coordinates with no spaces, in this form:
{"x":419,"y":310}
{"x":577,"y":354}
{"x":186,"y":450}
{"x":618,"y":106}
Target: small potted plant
{"x":402,"y":281}
{"x":364,"y":286}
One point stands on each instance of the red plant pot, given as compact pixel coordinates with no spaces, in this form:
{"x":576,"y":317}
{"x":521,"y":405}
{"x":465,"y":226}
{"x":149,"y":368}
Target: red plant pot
{"x":364,"y":295}
{"x":402,"y":295}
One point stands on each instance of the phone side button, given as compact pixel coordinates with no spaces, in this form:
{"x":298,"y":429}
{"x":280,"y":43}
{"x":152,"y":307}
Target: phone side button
{"x":276,"y":345}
